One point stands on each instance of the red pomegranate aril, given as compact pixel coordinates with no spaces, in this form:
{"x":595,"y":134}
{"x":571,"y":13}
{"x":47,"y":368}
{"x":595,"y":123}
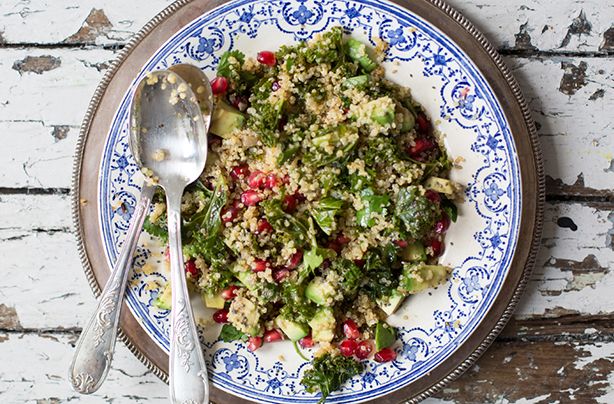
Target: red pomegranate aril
{"x":272,"y":336}
{"x":295,"y":260}
{"x":401,"y":243}
{"x":306,"y":342}
{"x":433,"y":196}
{"x":385,"y":355}
{"x":271,"y":181}
{"x":348,"y":347}
{"x":363,"y":350}
{"x":421,"y":145}
{"x":231,"y":212}
{"x":437,"y":247}
{"x":254,"y":343}
{"x":341,"y":239}
{"x":333,"y":245}
{"x":442,"y":224}
{"x":289,"y":203}
{"x":256,"y":179}
{"x":260,"y":265}
{"x":423,"y":124}
{"x":221,"y":316}
{"x":264,"y":227}
{"x":230,"y":292}
{"x":239,"y":172}
{"x":214,"y":140}
{"x":350,"y":329}
{"x":219,"y":85}
{"x":266,"y":58}
{"x":280,"y":274}
{"x":360,"y":263}
{"x":190,"y":268}
{"x":250,"y":198}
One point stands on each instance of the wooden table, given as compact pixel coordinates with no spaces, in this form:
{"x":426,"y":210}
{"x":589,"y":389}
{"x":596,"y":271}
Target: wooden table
{"x":560,"y":344}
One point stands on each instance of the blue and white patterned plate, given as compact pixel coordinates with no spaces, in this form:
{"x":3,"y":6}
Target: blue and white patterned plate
{"x":479,"y":246}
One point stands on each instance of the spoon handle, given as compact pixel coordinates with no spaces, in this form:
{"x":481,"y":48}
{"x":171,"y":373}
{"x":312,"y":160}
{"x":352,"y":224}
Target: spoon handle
{"x":187,"y":368}
{"x":96,"y":344}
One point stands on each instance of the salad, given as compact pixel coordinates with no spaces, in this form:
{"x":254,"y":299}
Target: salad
{"x":323,"y":204}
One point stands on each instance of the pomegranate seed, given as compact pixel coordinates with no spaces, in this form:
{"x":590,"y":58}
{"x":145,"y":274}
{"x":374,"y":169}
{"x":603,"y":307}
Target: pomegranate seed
{"x":240,"y":171}
{"x":230,"y":292}
{"x":256,"y":179}
{"x":348,"y":347}
{"x":263,"y":227}
{"x":273,"y":335}
{"x":295,"y":260}
{"x":401,"y":243}
{"x":436,"y":246}
{"x":325,"y":264}
{"x":271,"y":181}
{"x":422,"y":145}
{"x":250,"y":198}
{"x":350,"y":329}
{"x":306,"y":342}
{"x":280,"y":274}
{"x":385,"y":355}
{"x":260,"y":265}
{"x":214,"y":140}
{"x":286,"y":179}
{"x":433,"y":196}
{"x":442,"y":224}
{"x":231,"y":212}
{"x":219,"y":85}
{"x":423,"y":124}
{"x":167,"y":254}
{"x":190,"y":268}
{"x":341,"y":239}
{"x":254,"y":343}
{"x":266,"y":58}
{"x":363,"y":350}
{"x":289,"y":203}
{"x":360,"y":263}
{"x":221,"y":316}
{"x":333,"y":245}
{"x":275,"y":86}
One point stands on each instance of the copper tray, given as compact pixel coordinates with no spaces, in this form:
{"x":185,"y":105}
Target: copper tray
{"x":128,"y":64}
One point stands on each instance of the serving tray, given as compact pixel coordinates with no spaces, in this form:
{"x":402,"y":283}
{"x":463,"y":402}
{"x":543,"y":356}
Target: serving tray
{"x":471,"y":96}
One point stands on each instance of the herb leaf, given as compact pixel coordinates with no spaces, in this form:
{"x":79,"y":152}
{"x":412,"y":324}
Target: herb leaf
{"x":374,"y":204}
{"x":229,"y":333}
{"x":324,"y":213}
{"x":329,"y":372}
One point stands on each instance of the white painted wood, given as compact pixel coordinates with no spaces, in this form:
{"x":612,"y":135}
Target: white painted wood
{"x":577,"y":133}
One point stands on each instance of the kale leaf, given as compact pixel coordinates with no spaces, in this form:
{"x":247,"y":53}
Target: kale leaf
{"x":281,"y":221}
{"x":416,"y":212}
{"x":229,"y":333}
{"x":158,"y":229}
{"x":324,"y":213}
{"x":230,"y":64}
{"x":329,"y":372}
{"x":373,"y":205}
{"x":381,"y":280}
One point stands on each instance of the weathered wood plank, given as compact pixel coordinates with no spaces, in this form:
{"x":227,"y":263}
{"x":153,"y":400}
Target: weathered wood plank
{"x":571,"y":26}
{"x":570,"y":106}
{"x":36,"y":366}
{"x":572,"y":276}
{"x":555,"y":370}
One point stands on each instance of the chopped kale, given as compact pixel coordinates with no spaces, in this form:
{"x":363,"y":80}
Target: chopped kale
{"x":324,"y":213}
{"x":329,"y":372}
{"x":416,"y":212}
{"x":373,"y":205}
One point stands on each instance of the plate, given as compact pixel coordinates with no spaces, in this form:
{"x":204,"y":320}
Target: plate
{"x":470,"y":96}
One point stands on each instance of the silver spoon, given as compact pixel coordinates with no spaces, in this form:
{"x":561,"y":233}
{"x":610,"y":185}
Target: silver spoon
{"x":171,"y":146}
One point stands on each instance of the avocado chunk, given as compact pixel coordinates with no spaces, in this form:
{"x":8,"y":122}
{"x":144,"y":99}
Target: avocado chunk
{"x":247,"y":278}
{"x":164,"y":299}
{"x":357,"y":51}
{"x":385,"y":336}
{"x":323,"y":325}
{"x":392,"y":304}
{"x":382,"y":110}
{"x":414,"y":252}
{"x":293,"y":330}
{"x":225,"y":119}
{"x":408,"y":120}
{"x":356,"y":81}
{"x":319,"y":291}
{"x":440,"y":185}
{"x":213,"y":301}
{"x":416,"y":278}
{"x":244,"y":315}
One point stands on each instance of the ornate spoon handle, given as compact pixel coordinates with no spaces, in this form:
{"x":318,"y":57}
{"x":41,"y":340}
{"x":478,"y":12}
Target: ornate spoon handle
{"x":187,"y":368}
{"x":96,"y":344}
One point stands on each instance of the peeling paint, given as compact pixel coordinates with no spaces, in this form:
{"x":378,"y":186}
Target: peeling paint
{"x":4,"y":337}
{"x":585,"y":273}
{"x":50,"y":400}
{"x":558,"y":187}
{"x":608,"y":40}
{"x":574,"y":77}
{"x":95,"y":25}
{"x":597,"y":94}
{"x":523,"y":39}
{"x":610,"y":168}
{"x":580,"y":25}
{"x":2,"y":39}
{"x":8,"y":318}
{"x":609,"y":238}
{"x":60,"y":132}
{"x":37,"y":64}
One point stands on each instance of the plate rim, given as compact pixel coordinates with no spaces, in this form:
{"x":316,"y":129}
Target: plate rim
{"x":531,"y":176}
